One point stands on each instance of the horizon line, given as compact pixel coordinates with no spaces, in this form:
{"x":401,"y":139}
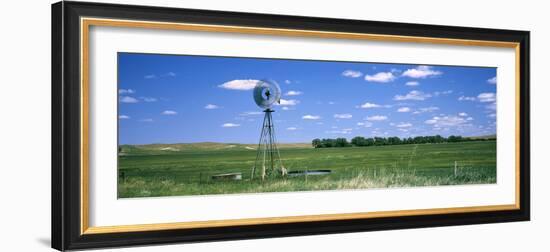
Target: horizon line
{"x":221,"y":142}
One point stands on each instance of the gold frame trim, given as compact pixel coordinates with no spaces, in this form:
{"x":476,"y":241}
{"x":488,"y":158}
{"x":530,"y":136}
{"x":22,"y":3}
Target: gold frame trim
{"x":85,"y":24}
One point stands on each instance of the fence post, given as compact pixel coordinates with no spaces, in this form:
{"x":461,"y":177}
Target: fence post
{"x":455,"y":168}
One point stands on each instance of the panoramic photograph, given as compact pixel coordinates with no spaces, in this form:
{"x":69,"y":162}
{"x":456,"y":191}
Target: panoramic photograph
{"x":205,"y":125}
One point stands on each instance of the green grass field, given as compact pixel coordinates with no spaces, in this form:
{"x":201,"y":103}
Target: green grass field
{"x":186,"y":169}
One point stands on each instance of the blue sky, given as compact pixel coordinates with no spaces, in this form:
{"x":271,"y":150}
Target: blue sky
{"x":181,"y":99}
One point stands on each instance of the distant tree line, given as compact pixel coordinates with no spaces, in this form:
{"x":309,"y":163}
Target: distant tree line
{"x":379,"y":141}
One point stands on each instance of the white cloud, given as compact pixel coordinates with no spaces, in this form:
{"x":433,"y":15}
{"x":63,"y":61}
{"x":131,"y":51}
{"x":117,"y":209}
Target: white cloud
{"x":426,"y":109}
{"x":462,"y":114}
{"x":291,"y":128}
{"x":169,"y":112}
{"x":492,"y":115}
{"x":377,"y":118}
{"x":466,"y":98}
{"x":446,"y":92}
{"x":343,"y":116}
{"x":293,"y":93}
{"x":311,"y":117}
{"x":230,"y":125}
{"x":352,"y":74}
{"x":403,"y":125}
{"x":211,"y":106}
{"x":412,"y":83}
{"x":331,"y":103}
{"x":446,"y":121}
{"x":154,"y":76}
{"x":148,"y":99}
{"x":365,"y":124}
{"x":126,"y":91}
{"x":239,"y":84}
{"x":404,"y":109}
{"x":250,"y":113}
{"x":288,"y":81}
{"x":429,"y":109}
{"x":492,"y":106}
{"x":492,"y":80}
{"x":382,"y":77}
{"x":123,"y":117}
{"x":146,"y":120}
{"x":342,"y":131}
{"x":368,"y":105}
{"x":413,"y":95}
{"x":128,"y":99}
{"x":487,"y":97}
{"x":284,"y":102}
{"x":421,"y":72}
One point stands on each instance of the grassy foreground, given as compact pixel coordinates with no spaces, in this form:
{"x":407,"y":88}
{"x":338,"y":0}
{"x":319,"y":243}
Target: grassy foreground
{"x":186,"y":169}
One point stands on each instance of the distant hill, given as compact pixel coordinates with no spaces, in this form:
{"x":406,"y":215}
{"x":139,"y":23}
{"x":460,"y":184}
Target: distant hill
{"x":207,"y":146}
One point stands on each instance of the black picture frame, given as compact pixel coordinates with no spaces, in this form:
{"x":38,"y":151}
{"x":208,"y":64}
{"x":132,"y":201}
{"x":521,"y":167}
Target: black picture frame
{"x":66,"y":114}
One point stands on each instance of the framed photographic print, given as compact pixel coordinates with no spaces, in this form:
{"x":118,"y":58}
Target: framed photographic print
{"x":180,"y":125}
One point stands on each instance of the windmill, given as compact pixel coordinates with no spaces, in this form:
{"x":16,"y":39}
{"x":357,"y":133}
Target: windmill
{"x":268,"y":158}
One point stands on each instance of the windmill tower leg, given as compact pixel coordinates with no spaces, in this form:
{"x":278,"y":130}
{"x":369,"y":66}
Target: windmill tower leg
{"x":259,"y":152}
{"x":270,"y":140}
{"x":276,"y":152}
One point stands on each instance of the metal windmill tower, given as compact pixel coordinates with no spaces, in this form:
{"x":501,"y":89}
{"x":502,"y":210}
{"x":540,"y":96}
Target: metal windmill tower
{"x":268,"y":158}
